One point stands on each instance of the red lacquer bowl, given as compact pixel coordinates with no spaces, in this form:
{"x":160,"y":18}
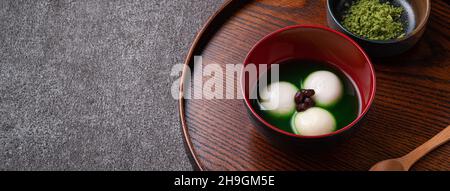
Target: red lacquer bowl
{"x":311,"y":43}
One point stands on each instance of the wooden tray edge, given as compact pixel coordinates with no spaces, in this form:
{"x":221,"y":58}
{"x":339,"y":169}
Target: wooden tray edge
{"x":192,"y":155}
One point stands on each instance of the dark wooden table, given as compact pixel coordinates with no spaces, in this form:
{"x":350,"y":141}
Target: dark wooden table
{"x":412,"y":102}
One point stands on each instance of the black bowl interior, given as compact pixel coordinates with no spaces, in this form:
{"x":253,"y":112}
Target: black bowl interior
{"x":339,"y":8}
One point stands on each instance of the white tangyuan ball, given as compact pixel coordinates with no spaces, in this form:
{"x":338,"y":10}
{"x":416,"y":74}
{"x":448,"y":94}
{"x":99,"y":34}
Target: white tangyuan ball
{"x":327,"y":86}
{"x":278,"y":99}
{"x":313,"y":122}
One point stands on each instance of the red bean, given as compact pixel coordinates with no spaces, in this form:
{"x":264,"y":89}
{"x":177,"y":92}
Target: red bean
{"x":301,"y":107}
{"x":303,"y":100}
{"x":309,"y":93}
{"x":299,"y":97}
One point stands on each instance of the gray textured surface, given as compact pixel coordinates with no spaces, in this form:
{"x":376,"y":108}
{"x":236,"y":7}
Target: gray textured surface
{"x":85,"y":85}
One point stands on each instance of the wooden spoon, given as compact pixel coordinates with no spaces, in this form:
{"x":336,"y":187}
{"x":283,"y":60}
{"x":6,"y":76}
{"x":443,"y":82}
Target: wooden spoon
{"x":404,"y":163}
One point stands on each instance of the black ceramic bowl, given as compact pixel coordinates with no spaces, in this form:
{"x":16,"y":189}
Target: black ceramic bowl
{"x":415,"y":17}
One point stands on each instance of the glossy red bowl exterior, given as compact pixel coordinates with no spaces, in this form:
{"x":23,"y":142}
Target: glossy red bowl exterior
{"x":311,"y":43}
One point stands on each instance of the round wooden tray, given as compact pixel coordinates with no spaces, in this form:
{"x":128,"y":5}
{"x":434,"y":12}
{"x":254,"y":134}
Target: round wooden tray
{"x":412,"y":102}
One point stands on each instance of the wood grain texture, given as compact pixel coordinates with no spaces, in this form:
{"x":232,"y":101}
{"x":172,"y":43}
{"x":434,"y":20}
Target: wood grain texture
{"x":411,"y":106}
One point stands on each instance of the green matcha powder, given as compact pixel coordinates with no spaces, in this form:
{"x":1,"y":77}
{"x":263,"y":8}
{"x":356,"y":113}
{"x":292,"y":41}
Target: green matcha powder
{"x":374,"y":20}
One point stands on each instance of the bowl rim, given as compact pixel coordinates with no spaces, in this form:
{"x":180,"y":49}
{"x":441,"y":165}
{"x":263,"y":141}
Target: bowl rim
{"x":411,"y":34}
{"x":349,"y":126}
